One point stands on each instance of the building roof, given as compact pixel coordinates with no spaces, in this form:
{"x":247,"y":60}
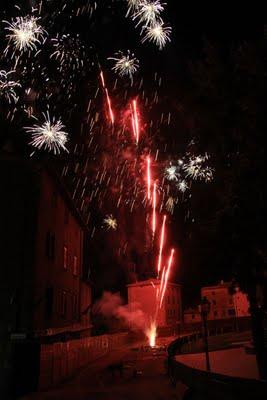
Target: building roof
{"x":150,"y":282}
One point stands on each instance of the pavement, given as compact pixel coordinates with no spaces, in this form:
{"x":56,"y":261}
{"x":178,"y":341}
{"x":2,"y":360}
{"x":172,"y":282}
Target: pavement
{"x":232,"y":362}
{"x":144,"y":377}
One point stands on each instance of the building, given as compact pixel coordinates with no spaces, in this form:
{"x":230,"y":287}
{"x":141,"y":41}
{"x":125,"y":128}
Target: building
{"x":192,"y":315}
{"x":223,"y":304}
{"x":143,"y":295}
{"x":44,"y":290}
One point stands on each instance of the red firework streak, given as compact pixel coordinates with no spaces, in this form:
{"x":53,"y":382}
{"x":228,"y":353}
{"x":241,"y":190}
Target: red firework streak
{"x":154,"y":221}
{"x":135,"y":121}
{"x":111,"y":114}
{"x":162,"y":236}
{"x":165,"y":277}
{"x":148,"y":178}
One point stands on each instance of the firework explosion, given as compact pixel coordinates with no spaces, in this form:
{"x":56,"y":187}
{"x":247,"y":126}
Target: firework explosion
{"x":110,"y":222}
{"x":115,"y":164}
{"x":25,"y":33}
{"x":49,"y":135}
{"x":126,"y":64}
{"x":159,"y":34}
{"x":148,"y":12}
{"x":8,"y":86}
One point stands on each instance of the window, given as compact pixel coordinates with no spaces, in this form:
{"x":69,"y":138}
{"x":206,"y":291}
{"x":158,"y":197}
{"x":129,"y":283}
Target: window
{"x":50,"y":245}
{"x":64,"y":303}
{"x":168,"y":299}
{"x":65,"y":257}
{"x":75,"y":266}
{"x":49,"y":299}
{"x":215,"y":314}
{"x":231,"y":311}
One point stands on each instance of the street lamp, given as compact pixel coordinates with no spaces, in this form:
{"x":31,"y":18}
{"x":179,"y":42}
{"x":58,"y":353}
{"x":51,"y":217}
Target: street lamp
{"x":204,"y":309}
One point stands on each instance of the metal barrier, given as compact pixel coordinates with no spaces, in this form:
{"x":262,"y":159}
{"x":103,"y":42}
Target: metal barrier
{"x":208,"y":384}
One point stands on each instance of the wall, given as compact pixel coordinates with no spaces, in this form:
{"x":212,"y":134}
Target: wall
{"x":59,"y":361}
{"x":241,"y":304}
{"x":221,"y":302}
{"x":57,"y":285}
{"x":173,"y":304}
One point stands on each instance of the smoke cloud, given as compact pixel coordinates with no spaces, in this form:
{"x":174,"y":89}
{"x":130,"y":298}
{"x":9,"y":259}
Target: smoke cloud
{"x":111,"y":305}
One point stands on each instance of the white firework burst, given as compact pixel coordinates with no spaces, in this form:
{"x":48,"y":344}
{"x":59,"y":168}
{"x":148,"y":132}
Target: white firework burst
{"x":69,"y":51}
{"x":25,"y":33}
{"x":49,"y":135}
{"x":148,"y":13}
{"x":126,"y":64}
{"x":133,"y":5}
{"x":182,"y":186}
{"x":110,"y":222}
{"x":196,"y":169}
{"x":171,"y":173}
{"x":158,"y":34}
{"x":8,"y":86}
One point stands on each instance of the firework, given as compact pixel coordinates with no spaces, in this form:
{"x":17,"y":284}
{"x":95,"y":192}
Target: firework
{"x":171,"y":173}
{"x":111,"y":114}
{"x":151,"y":333}
{"x":148,"y":13}
{"x":148,"y":178}
{"x":196,"y":169}
{"x":68,"y":51}
{"x":158,"y":34}
{"x":49,"y":135}
{"x":25,"y":33}
{"x":182,"y":186}
{"x":8,"y":86}
{"x":154,"y":222}
{"x":135,"y":121}
{"x":166,"y":277}
{"x":170,"y":203}
{"x":126,"y":64}
{"x":110,"y":222}
{"x":162,"y":237}
{"x":133,"y":5}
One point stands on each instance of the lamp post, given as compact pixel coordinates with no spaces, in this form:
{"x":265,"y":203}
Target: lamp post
{"x":204,"y":309}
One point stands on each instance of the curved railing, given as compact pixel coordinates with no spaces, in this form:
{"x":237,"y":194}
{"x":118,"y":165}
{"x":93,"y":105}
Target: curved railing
{"x":210,"y":385}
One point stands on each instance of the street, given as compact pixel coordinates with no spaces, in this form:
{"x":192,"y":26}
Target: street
{"x":144,"y":377}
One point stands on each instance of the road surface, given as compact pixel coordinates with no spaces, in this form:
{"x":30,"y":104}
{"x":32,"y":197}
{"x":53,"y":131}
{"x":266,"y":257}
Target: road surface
{"x":144,"y":377}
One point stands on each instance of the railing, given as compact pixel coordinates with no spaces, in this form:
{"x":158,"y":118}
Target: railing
{"x":59,"y":361}
{"x":208,"y":384}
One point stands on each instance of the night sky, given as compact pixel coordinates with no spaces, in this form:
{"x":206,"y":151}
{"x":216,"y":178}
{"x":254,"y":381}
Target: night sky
{"x":204,"y":255}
